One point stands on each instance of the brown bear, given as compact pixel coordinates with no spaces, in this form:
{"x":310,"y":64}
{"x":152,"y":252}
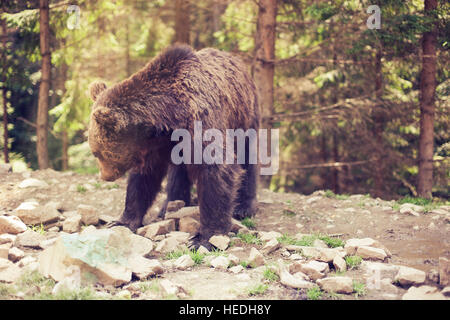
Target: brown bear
{"x":132,"y":122}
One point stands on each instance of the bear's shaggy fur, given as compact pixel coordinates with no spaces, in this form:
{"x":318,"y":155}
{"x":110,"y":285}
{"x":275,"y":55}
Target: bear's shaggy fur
{"x":132,"y":122}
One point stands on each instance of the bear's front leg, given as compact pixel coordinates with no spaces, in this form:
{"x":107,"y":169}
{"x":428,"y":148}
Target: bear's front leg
{"x":217,"y":187}
{"x":141,"y":192}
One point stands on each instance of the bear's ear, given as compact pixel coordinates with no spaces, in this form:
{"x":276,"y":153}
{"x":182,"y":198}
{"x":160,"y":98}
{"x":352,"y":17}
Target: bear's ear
{"x":109,"y":120}
{"x":96,"y":88}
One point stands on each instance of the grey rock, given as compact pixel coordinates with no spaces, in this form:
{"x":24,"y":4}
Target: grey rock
{"x":220,"y":242}
{"x":184,"y":262}
{"x":410,"y":276}
{"x":336,"y":284}
{"x":12,"y":225}
{"x":423,"y":293}
{"x":30,"y":239}
{"x":15,"y":254}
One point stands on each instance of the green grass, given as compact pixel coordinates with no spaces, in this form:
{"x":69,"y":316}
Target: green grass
{"x":112,"y":186}
{"x":289,"y":212}
{"x":308,"y":241}
{"x":257,"y":290}
{"x":331,"y":194}
{"x":314,"y":293}
{"x":86,"y":293}
{"x":97,"y":185}
{"x":6,"y":290}
{"x":194,"y":254}
{"x":152,"y":286}
{"x":353,"y":262}
{"x":37,"y":228}
{"x":249,"y":223}
{"x":428,"y":204}
{"x":270,"y":275}
{"x":359,"y":289}
{"x":249,"y":238}
{"x":245,"y":264}
{"x":86,"y":170}
{"x":81,"y":189}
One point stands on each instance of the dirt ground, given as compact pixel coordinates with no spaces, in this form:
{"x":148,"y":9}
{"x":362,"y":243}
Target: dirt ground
{"x":413,"y":241}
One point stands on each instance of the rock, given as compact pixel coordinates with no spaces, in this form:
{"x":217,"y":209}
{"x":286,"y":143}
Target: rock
{"x":378,"y":270}
{"x":220,"y":262}
{"x":169,"y":244}
{"x":33,"y":183}
{"x":433,"y":276}
{"x":291,"y":281}
{"x":142,"y":268}
{"x":71,"y":282}
{"x":237,"y":226}
{"x":33,"y":214}
{"x":184,"y":212}
{"x":271,"y":246}
{"x":157,"y":228}
{"x":312,"y":200}
{"x":12,"y":225}
{"x":184,"y":262}
{"x":172,"y":289}
{"x":189,"y":225}
{"x":371,"y":253}
{"x":267,"y":236}
{"x":7,"y":238}
{"x":220,"y":242}
{"x":336,"y":284}
{"x":104,"y":218}
{"x":321,"y":254}
{"x":89,"y":214}
{"x":256,"y":258}
{"x":409,"y":276}
{"x":182,"y":237}
{"x":313,"y":269}
{"x":202,"y":250}
{"x":385,"y":285}
{"x":4,"y":250}
{"x":9,"y":272}
{"x":411,"y":209}
{"x":141,"y":246}
{"x":423,"y":293}
{"x":444,"y":271}
{"x":26,"y":261}
{"x":29,"y":239}
{"x":175,"y":205}
{"x":352,"y":245}
{"x":72,"y":224}
{"x":236,"y":269}
{"x":44,"y":244}
{"x":15,"y":254}
{"x":233,"y":259}
{"x":339,"y":264}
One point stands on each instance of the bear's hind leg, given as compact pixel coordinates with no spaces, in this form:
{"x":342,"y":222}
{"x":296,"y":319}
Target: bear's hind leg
{"x":246,"y":198}
{"x":178,"y":187}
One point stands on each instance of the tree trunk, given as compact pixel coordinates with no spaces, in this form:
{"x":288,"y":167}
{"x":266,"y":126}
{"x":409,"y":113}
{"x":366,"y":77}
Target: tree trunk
{"x":5,"y":102}
{"x":335,"y":174}
{"x":264,"y":67}
{"x":182,"y":21}
{"x":378,"y":127}
{"x":427,"y":92}
{"x":42,"y":114}
{"x":64,"y":134}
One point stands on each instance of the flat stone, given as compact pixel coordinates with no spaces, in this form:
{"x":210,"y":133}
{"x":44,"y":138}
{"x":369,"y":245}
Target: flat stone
{"x":142,"y":268}
{"x":202,"y":250}
{"x":172,"y":289}
{"x":104,"y":218}
{"x":267,"y":236}
{"x":184,"y":212}
{"x":271,"y":246}
{"x":89,"y":214}
{"x":321,"y":254}
{"x":157,"y":228}
{"x":313,"y":269}
{"x":378,"y":270}
{"x":182,"y":237}
{"x":410,"y":276}
{"x":234,"y":259}
{"x":220,"y":242}
{"x":33,"y":183}
{"x":371,"y":253}
{"x":256,"y":258}
{"x":352,"y":245}
{"x":236,"y":269}
{"x":4,"y":250}
{"x":220,"y":262}
{"x":184,"y":262}
{"x":189,"y":225}
{"x":237,"y":226}
{"x":12,"y":225}
{"x":423,"y":293}
{"x":336,"y":284}
{"x":7,"y":238}
{"x":169,"y":244}
{"x":72,"y":224}
{"x":291,"y":281}
{"x":33,"y":214}
{"x":30,"y":239}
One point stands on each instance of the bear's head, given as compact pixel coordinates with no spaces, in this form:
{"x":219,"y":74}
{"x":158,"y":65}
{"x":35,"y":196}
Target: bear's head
{"x":109,"y":139}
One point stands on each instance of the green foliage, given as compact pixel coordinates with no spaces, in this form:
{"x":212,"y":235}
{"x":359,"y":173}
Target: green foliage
{"x":257,"y":290}
{"x":353,"y":262}
{"x":249,"y":238}
{"x":81,"y":189}
{"x":359,"y":289}
{"x":270,"y":275}
{"x":314,"y":293}
{"x":37,"y":228}
{"x":194,"y":254}
{"x":248,"y":222}
{"x":308,"y":240}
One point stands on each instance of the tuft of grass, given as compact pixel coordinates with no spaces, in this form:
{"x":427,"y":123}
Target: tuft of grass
{"x":314,"y":293}
{"x":194,"y":254}
{"x":37,"y":228}
{"x":332,"y":242}
{"x":112,"y":186}
{"x":152,"y":286}
{"x":308,"y":241}
{"x":86,"y":293}
{"x":359,"y":289}
{"x":331,"y":194}
{"x":97,"y":185}
{"x":428,"y":204}
{"x":257,"y":290}
{"x":81,"y":189}
{"x":34,"y":278}
{"x":245,"y":264}
{"x":249,"y":238}
{"x":289,"y":212}
{"x":270,"y":275}
{"x":6,"y":290}
{"x":249,"y":223}
{"x":353,"y":262}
